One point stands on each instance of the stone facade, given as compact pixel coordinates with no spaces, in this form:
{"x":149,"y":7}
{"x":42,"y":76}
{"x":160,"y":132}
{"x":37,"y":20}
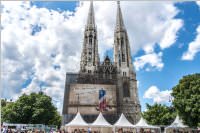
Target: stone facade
{"x":120,"y":72}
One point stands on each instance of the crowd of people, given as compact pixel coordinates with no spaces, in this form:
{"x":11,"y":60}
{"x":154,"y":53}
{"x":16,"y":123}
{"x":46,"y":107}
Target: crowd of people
{"x":120,"y":130}
{"x":5,"y":129}
{"x":141,"y":130}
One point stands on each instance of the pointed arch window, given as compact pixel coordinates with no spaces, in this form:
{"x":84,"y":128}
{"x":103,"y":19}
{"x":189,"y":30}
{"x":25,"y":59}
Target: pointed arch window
{"x":123,"y":57}
{"x":90,"y":39}
{"x":126,"y":91}
{"x":122,"y":40}
{"x":107,"y":73}
{"x":119,"y":57}
{"x":118,"y":41}
{"x":89,"y":59}
{"x":122,"y":43}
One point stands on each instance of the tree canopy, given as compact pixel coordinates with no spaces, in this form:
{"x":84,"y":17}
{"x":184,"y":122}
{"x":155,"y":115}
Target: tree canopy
{"x":3,"y":102}
{"x":187,"y":99}
{"x":34,"y":108}
{"x":159,"y":114}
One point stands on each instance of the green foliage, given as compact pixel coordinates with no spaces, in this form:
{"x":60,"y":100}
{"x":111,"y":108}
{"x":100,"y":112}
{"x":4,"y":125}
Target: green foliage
{"x":33,"y":108}
{"x":158,"y":114}
{"x":187,"y":99}
{"x":3,"y":102}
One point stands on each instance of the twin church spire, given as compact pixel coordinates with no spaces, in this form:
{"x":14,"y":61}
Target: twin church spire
{"x":90,"y":57}
{"x":119,"y":73}
{"x":119,"y":21}
{"x":122,"y":55}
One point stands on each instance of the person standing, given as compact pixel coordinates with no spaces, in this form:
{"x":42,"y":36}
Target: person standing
{"x":4,"y":129}
{"x":89,"y":130}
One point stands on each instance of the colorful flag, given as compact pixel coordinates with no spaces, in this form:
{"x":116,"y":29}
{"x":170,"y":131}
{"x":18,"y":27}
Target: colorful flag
{"x":102,"y":100}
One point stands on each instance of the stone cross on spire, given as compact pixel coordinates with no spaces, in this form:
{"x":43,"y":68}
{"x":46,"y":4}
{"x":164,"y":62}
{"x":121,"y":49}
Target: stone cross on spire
{"x":119,"y":21}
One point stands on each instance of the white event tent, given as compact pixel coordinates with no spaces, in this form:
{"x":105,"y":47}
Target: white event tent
{"x":77,"y":121}
{"x":143,"y":124}
{"x":178,"y":123}
{"x":100,"y":122}
{"x":123,"y":122}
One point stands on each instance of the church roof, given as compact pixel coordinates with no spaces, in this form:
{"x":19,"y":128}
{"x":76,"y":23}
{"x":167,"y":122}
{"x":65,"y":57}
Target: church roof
{"x":107,"y":58}
{"x":107,"y":61}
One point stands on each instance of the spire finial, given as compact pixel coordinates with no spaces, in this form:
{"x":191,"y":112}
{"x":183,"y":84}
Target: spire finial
{"x":119,"y":20}
{"x":90,"y":20}
{"x":118,"y":2}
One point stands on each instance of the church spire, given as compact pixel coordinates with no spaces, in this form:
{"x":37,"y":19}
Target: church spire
{"x":122,"y":54}
{"x":90,"y":19}
{"x":89,"y":56}
{"x":119,"y":21}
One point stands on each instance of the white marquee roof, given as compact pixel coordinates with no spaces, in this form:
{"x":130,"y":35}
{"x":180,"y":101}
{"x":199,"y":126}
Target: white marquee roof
{"x":178,"y":123}
{"x":77,"y":121}
{"x":123,"y":122}
{"x":143,"y":124}
{"x":101,"y":122}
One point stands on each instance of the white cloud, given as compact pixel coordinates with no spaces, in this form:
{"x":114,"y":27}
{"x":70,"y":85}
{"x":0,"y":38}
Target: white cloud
{"x":149,"y":61}
{"x":170,"y":34}
{"x":158,"y":96}
{"x":198,"y":3}
{"x":194,"y":47}
{"x":25,"y":55}
{"x":155,"y":17}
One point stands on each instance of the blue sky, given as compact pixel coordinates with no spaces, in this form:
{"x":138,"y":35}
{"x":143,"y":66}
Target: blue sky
{"x":59,"y":6}
{"x":175,"y":68}
{"x":156,"y":77}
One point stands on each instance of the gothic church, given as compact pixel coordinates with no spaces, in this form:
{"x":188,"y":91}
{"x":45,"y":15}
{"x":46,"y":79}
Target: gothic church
{"x":118,"y":75}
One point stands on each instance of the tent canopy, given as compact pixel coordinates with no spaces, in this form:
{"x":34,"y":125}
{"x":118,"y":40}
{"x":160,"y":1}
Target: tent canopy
{"x":178,"y":123}
{"x":143,"y":124}
{"x":123,"y":122}
{"x":77,"y":121}
{"x":101,"y":122}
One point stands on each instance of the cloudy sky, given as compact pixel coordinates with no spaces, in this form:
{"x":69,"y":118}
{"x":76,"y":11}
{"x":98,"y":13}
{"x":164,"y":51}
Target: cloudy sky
{"x":41,"y":41}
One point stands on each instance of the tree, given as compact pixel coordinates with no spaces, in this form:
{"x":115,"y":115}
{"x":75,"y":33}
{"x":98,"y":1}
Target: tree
{"x":159,"y":114}
{"x":33,"y":108}
{"x":3,"y":102}
{"x":187,"y":99}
